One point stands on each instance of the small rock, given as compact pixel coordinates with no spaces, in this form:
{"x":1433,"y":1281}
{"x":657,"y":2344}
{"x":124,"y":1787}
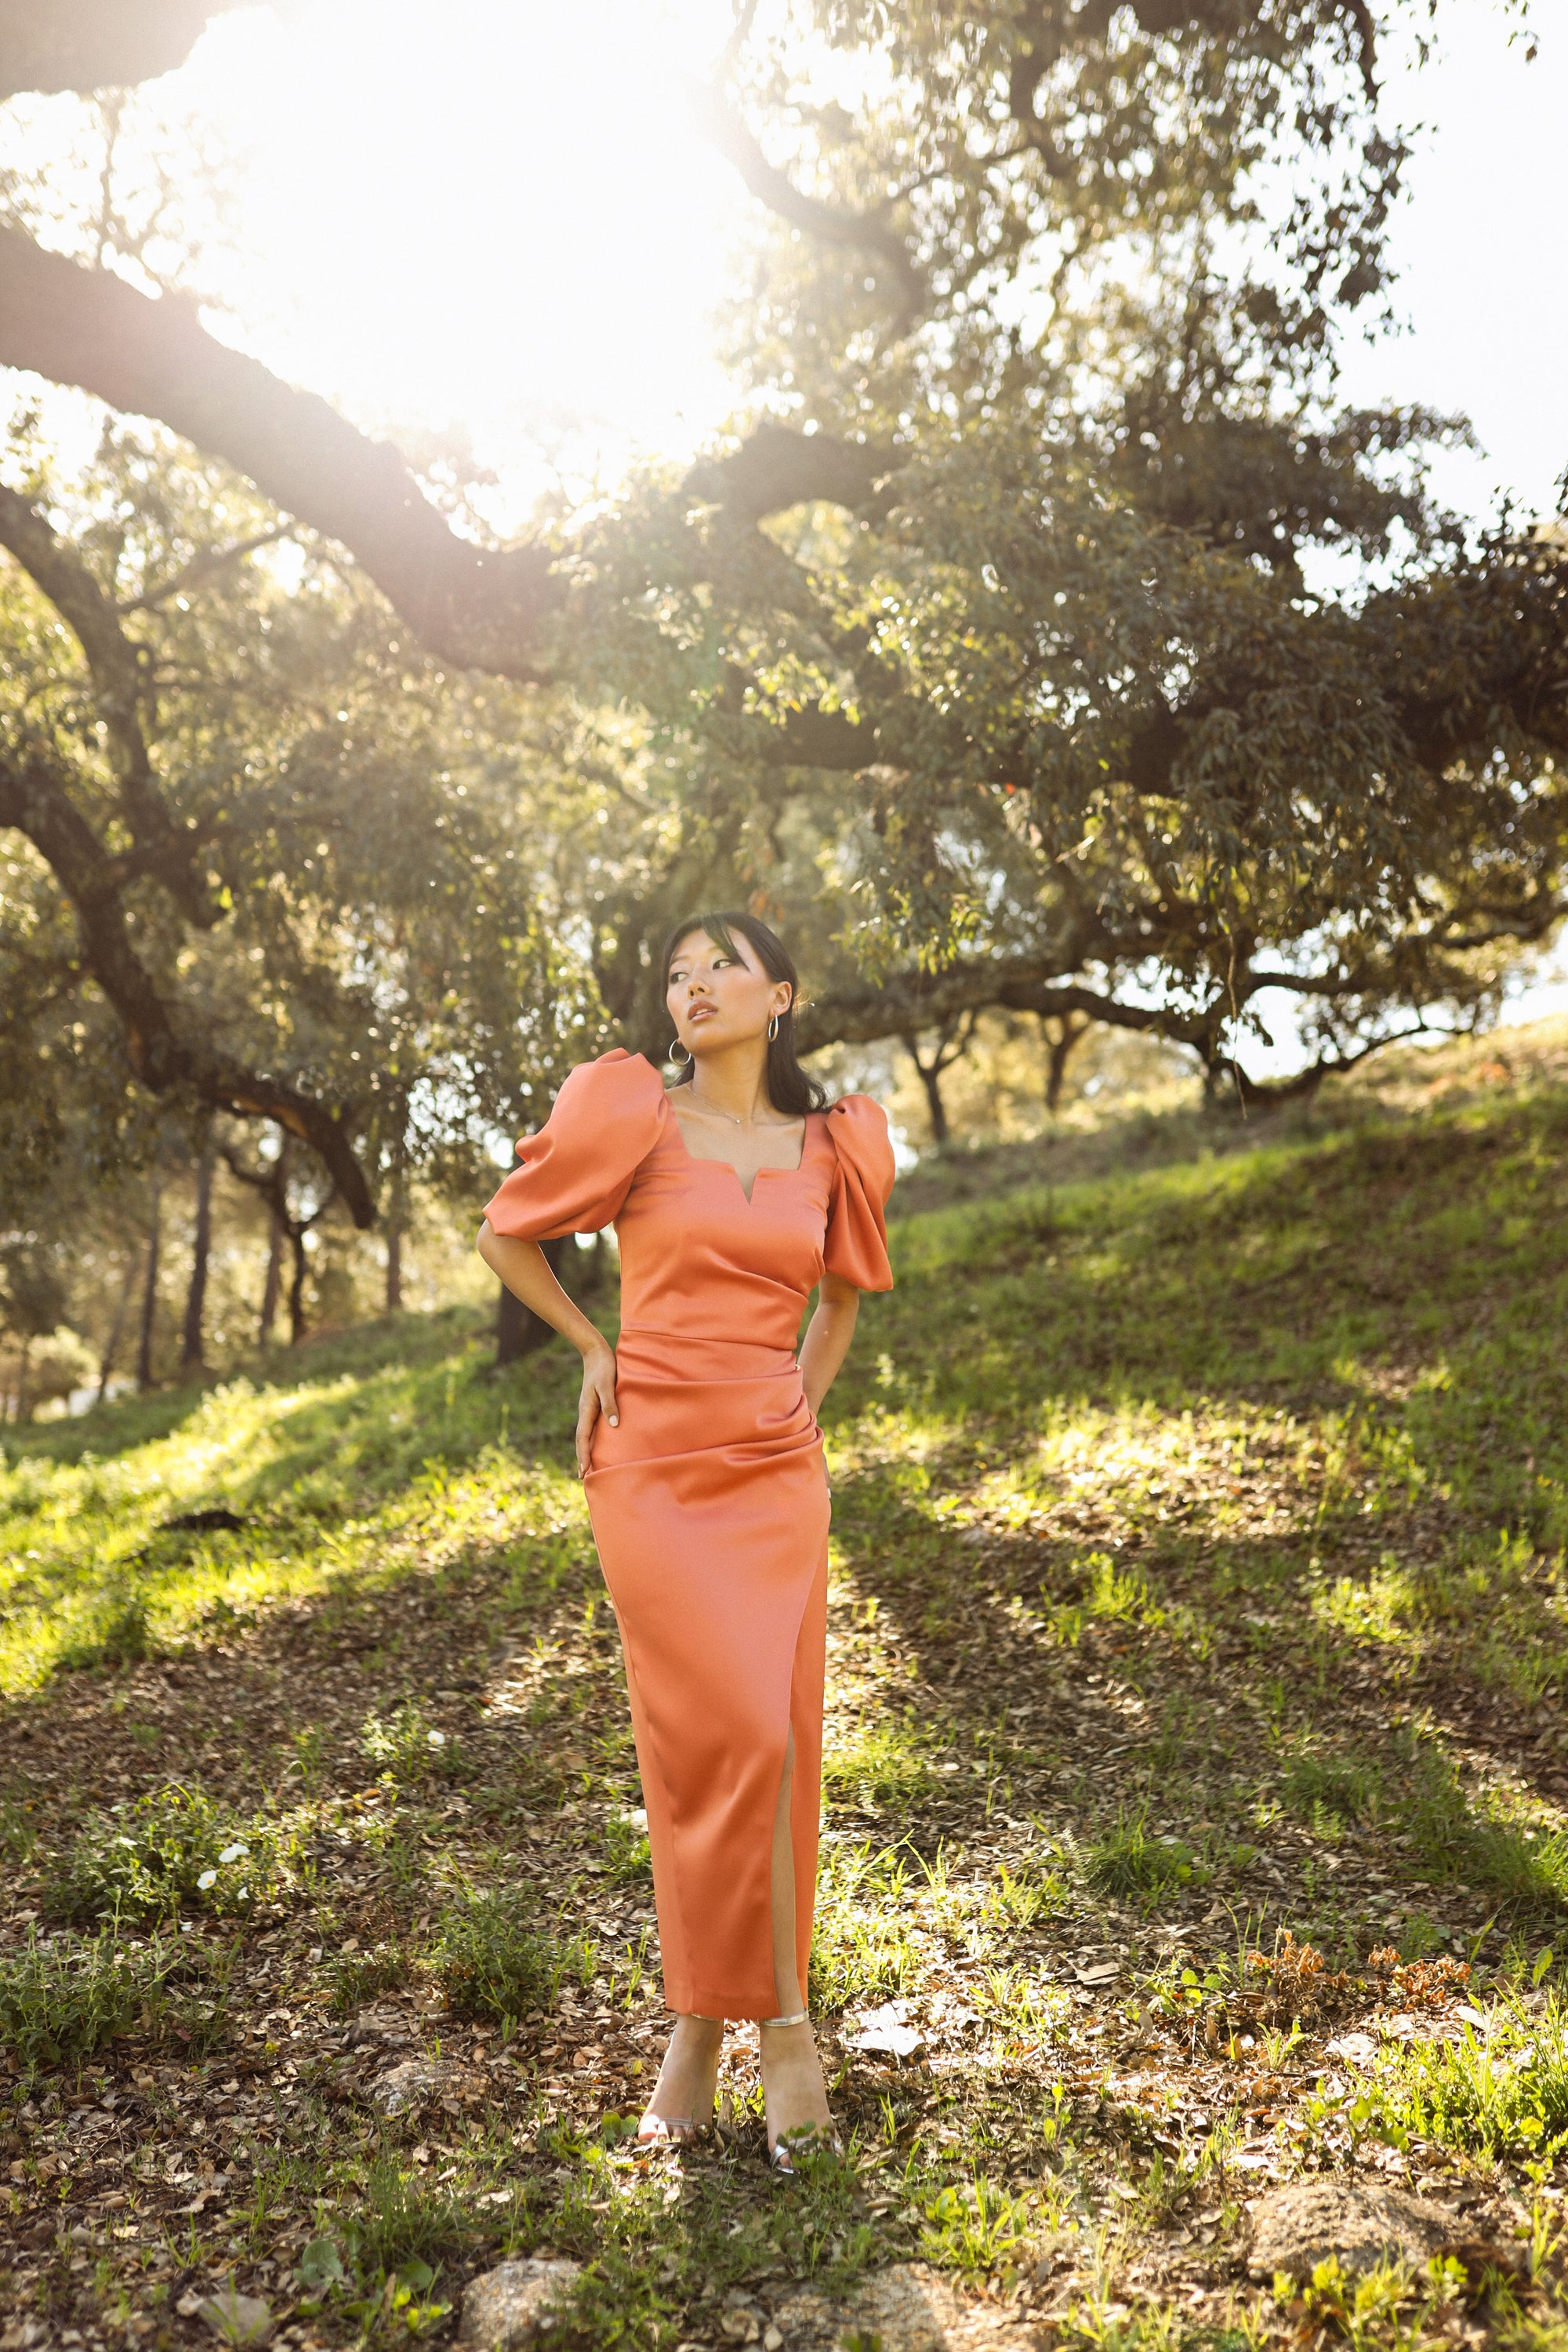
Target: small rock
{"x":902,"y":2310}
{"x":389,"y":2025}
{"x":503,"y":2308}
{"x":417,"y":2082}
{"x":237,"y":2318}
{"x":1296,"y":2228}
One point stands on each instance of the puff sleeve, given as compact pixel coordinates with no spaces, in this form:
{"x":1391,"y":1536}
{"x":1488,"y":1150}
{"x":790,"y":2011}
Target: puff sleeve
{"x":856,"y":1247}
{"x":577,"y":1170}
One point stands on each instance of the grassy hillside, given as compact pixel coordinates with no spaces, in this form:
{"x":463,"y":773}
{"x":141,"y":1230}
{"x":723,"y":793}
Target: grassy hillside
{"x":1199,"y":1597}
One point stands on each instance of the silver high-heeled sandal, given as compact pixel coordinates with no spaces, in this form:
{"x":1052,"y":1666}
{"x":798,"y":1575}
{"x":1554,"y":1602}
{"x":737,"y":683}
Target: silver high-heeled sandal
{"x":678,"y":2131}
{"x":805,"y":2139}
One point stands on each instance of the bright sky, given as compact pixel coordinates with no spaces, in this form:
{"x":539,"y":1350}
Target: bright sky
{"x":511,"y":226}
{"x":1484,"y":252}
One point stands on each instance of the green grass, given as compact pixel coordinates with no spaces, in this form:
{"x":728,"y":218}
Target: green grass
{"x":1497,"y":2090}
{"x":1128,"y":1858}
{"x":170,"y":1849}
{"x":385,"y":1442}
{"x":493,"y":1960}
{"x":61,"y":2001}
{"x":1198,"y":1573}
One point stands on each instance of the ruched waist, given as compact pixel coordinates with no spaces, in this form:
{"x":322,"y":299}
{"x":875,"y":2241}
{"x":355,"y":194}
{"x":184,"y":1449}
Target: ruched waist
{"x":739,"y":1403}
{"x":688,"y":1356}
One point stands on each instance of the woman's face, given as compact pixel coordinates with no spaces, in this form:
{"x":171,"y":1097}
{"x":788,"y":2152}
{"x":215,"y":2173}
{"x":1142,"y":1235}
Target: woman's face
{"x":717,"y":999}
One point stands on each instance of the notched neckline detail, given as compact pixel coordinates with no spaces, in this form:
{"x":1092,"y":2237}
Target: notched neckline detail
{"x":701,"y":1160}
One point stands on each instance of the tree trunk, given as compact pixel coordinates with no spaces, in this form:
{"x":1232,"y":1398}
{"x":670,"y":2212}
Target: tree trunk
{"x":519,"y":1331}
{"x":932,"y":1081}
{"x":1059,"y":1047}
{"x":149,"y":1293}
{"x":297,"y":1290}
{"x":512,"y":1319}
{"x":192,"y":1358}
{"x":272,"y":1289}
{"x":396,"y":1219}
{"x":115,"y":1331}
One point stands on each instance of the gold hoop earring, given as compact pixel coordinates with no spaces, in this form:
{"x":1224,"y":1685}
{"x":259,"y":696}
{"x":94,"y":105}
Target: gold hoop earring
{"x":772,"y":1028}
{"x":679,"y":1055}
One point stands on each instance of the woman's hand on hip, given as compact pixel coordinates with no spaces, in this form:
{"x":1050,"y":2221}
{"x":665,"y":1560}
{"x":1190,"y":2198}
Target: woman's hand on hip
{"x":598,"y":1397}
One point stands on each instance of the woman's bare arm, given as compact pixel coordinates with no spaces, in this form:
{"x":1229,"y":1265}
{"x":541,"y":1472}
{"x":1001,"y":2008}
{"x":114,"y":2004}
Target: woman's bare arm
{"x":525,"y":1270}
{"x":827,"y":1337}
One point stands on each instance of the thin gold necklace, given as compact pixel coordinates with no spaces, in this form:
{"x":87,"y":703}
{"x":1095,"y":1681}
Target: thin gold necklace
{"x":713,"y":1112}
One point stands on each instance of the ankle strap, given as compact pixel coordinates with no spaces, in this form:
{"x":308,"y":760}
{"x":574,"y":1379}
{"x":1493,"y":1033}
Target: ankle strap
{"x":801,"y":2017}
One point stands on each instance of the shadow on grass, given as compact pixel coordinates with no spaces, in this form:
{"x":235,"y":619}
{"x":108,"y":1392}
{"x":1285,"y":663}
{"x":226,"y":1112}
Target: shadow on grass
{"x":1276,"y":1441}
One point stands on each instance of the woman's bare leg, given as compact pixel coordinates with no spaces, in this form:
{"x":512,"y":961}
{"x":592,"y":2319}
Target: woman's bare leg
{"x":791,"y":2071}
{"x":683,"y":2095}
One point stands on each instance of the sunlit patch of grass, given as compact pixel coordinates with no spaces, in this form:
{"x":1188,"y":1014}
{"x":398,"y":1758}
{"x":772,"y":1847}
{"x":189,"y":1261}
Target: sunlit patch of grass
{"x":1496,"y":1848}
{"x":882,"y":1764}
{"x":1500,"y":2090}
{"x":862,"y":1947}
{"x":1017,"y":1898}
{"x":1128,"y":1858}
{"x":1111,"y":1595}
{"x":387,"y":1449}
{"x":1021,"y":2003}
{"x":977,"y":2227}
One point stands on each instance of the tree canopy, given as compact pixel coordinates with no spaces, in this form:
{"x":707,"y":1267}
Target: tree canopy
{"x":1048,"y":636}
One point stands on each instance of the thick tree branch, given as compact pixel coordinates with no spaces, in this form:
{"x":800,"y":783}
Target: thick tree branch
{"x":724,"y":129}
{"x":121,"y":691}
{"x":481,"y":608}
{"x":87,"y":44}
{"x":478,"y":607}
{"x":774,"y":469}
{"x":914,"y":1001}
{"x":33,"y":800}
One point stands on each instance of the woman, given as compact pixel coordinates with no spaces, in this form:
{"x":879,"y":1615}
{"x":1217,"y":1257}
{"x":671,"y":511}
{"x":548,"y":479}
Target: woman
{"x":734,"y":1195}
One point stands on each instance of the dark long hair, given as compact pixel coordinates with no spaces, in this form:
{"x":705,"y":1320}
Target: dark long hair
{"x":789,"y":1087}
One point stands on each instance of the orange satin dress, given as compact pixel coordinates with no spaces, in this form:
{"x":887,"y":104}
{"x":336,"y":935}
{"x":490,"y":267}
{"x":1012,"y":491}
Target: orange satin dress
{"x":709,"y":1501}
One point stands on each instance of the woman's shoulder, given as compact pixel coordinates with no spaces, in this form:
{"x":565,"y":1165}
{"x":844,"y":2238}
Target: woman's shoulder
{"x":856,"y":1115}
{"x":858,"y":1127}
{"x":613,"y":1083}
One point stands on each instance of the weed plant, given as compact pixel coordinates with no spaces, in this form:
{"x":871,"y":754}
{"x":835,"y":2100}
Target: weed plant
{"x":629,"y":1857}
{"x":492,"y":1960}
{"x":174,"y":1847}
{"x":1500,"y":2090}
{"x":407,"y":1745}
{"x":65,"y":1998}
{"x":1129,"y":1859}
{"x":354,"y":1978}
